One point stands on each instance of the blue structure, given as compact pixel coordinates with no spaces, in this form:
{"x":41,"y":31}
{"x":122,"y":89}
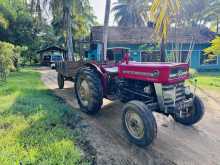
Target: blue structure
{"x":183,"y":45}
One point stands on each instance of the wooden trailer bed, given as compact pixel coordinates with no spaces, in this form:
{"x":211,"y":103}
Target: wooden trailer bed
{"x":68,"y":69}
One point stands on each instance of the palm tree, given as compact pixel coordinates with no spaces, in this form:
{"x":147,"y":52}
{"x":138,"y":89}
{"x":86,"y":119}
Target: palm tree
{"x":36,"y":8}
{"x":191,"y":11}
{"x":161,"y":13}
{"x":64,"y":9}
{"x":212,"y":13}
{"x":196,"y":13}
{"x":67,"y":19}
{"x":106,"y":22}
{"x":67,"y":15}
{"x":130,"y":12}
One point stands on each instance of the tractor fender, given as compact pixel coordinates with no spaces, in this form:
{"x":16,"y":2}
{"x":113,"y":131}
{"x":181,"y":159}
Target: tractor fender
{"x":101,"y":73}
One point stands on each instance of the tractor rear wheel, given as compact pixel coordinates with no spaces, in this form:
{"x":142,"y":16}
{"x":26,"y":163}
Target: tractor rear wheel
{"x":89,"y":91}
{"x":60,"y":80}
{"x":193,"y":115}
{"x":139,"y":123}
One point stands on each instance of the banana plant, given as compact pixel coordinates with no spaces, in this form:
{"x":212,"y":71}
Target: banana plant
{"x":161,"y":12}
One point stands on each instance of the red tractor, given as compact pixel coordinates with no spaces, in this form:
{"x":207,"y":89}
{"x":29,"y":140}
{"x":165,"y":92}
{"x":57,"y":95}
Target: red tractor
{"x":143,"y":87}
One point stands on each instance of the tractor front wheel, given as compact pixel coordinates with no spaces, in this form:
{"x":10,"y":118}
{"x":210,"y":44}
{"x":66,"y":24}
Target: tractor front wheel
{"x":88,"y":89}
{"x":193,"y":114}
{"x":60,"y":80}
{"x":139,"y":123}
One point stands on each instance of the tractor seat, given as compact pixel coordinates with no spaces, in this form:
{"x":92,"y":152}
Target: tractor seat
{"x":112,"y":70}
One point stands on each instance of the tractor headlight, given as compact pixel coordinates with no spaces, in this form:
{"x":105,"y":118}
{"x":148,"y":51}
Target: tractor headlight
{"x":174,"y":75}
{"x":178,"y":72}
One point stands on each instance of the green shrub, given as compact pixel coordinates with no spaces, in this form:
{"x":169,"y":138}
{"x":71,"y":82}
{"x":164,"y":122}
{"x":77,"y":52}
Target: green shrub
{"x":193,"y":73}
{"x":6,"y":52}
{"x":9,"y":58}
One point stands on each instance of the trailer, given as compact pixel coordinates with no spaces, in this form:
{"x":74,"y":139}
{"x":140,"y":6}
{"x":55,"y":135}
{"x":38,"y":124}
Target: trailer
{"x":67,"y":71}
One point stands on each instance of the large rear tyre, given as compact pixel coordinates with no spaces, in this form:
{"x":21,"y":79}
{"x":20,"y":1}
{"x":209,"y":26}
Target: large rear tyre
{"x":194,"y":113}
{"x":60,"y":80}
{"x":139,"y":123}
{"x":89,"y":91}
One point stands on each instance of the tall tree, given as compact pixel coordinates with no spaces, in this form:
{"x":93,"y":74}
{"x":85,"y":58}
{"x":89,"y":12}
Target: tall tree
{"x":69,"y":15}
{"x":63,"y":9}
{"x":131,"y":12}
{"x":106,"y":22}
{"x":212,"y":13}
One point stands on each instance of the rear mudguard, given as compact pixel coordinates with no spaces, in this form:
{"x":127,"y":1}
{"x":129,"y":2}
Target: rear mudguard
{"x":102,"y":74}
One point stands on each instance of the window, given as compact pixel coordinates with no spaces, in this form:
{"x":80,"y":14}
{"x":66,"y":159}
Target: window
{"x":208,"y":59}
{"x":57,"y":58}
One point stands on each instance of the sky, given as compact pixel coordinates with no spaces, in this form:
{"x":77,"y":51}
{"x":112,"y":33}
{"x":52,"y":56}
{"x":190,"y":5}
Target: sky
{"x":99,"y":10}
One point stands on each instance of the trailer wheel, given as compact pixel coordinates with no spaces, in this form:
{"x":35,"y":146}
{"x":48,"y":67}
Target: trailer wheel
{"x":60,"y":80}
{"x":89,"y":91}
{"x":194,"y":115}
{"x":139,"y":123}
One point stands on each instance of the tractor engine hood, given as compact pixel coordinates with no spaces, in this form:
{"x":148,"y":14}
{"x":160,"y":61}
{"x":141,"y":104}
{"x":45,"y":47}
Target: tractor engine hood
{"x":165,"y":73}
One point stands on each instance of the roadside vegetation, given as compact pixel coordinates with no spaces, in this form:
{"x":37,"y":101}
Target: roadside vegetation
{"x":27,"y":26}
{"x":206,"y":80}
{"x":209,"y":80}
{"x":33,"y":124}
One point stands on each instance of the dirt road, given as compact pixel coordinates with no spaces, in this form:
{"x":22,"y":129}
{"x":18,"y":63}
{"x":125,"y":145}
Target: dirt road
{"x":175,"y":144}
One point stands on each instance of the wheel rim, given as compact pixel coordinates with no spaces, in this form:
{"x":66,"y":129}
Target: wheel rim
{"x":189,"y":112}
{"x":84,"y":93}
{"x":134,"y":124}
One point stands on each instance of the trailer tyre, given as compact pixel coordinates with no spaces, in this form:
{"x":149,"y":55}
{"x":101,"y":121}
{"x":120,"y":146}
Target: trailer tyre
{"x":139,"y":123}
{"x":60,"y":80}
{"x":196,"y":113}
{"x":88,"y":90}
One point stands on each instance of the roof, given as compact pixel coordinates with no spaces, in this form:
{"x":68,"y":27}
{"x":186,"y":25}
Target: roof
{"x":143,"y":35}
{"x":51,"y":48}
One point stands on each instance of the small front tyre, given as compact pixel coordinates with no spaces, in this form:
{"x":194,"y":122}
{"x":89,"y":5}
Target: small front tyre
{"x":139,"y":123}
{"x":194,"y":113}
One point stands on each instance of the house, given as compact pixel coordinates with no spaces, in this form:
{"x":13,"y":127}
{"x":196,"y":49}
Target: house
{"x":183,"y":45}
{"x":47,"y":53}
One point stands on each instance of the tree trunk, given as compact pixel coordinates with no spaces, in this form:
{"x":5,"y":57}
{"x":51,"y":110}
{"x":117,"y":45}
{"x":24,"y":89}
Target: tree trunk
{"x":30,"y":58}
{"x":69,"y":40}
{"x":106,"y":22}
{"x":162,"y":51}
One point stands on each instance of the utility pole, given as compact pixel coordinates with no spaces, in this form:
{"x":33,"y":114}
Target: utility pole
{"x":105,"y":30}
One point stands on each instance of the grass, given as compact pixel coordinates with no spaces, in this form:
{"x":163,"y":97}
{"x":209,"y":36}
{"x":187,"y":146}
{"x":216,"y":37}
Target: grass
{"x":208,"y":80}
{"x":32,"y":124}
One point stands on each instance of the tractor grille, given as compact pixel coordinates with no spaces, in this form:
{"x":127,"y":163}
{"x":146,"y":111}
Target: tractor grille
{"x":177,"y":91}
